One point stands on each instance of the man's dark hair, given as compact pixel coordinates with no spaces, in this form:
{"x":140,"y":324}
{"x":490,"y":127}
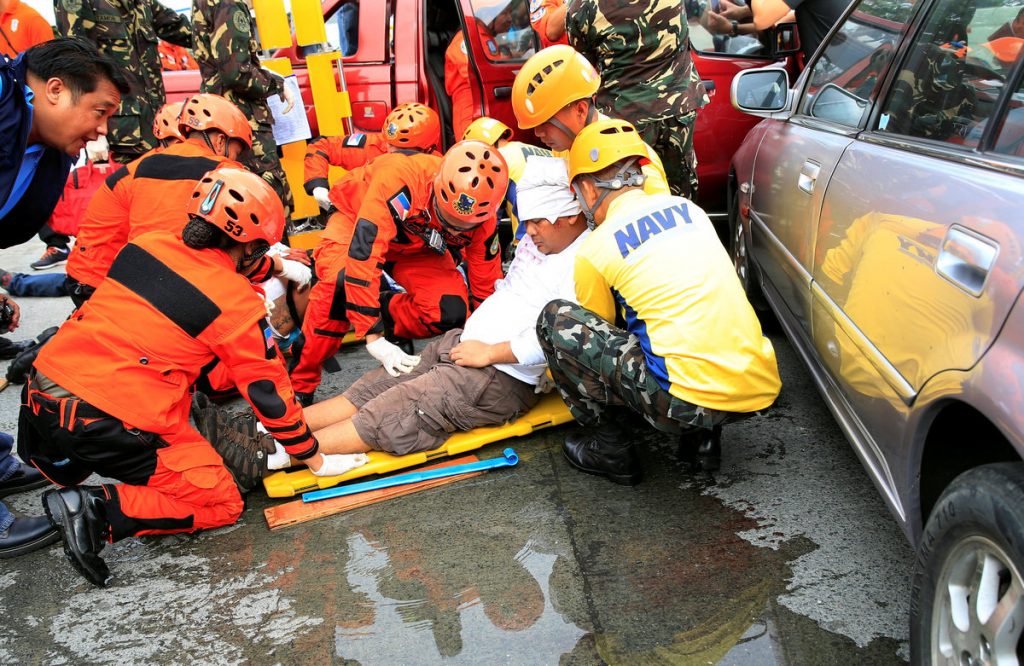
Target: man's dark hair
{"x":77,"y":63}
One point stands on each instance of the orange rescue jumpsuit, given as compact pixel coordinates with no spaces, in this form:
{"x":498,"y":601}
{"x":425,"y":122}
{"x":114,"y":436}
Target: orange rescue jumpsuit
{"x":375,"y":227}
{"x":128,"y":357}
{"x":459,"y":82}
{"x":147,"y":194}
{"x":348,"y":152}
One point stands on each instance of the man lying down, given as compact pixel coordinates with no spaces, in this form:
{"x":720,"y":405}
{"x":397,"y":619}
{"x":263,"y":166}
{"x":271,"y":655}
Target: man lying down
{"x":485,"y":374}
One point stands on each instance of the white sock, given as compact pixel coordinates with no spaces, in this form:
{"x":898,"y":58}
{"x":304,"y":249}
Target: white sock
{"x":279,"y":459}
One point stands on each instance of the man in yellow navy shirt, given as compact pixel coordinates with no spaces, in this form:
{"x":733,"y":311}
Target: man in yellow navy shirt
{"x":692,"y":356}
{"x":553,"y":94}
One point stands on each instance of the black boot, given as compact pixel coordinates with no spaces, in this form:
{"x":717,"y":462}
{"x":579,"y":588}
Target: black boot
{"x":25,"y":478}
{"x":79,"y":514}
{"x":305,"y":399}
{"x":603,"y":450}
{"x":702,"y":447}
{"x":25,"y":535}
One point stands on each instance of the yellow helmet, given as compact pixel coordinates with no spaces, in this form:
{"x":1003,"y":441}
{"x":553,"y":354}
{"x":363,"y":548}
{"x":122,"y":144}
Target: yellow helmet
{"x":603,"y":143}
{"x":487,"y":130}
{"x":549,"y":80}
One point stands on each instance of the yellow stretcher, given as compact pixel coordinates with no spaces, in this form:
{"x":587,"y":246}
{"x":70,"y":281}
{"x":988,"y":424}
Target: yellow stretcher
{"x":550,"y":411}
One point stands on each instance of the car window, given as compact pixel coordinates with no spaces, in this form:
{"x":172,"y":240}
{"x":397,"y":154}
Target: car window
{"x":1011,"y":135}
{"x":505,"y":29}
{"x":343,"y":29}
{"x":845,"y":78}
{"x":954,"y":73}
{"x":710,"y":31}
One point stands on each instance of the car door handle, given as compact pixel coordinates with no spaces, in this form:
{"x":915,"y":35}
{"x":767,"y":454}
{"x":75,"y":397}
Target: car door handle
{"x":966,"y":259}
{"x":709,"y":87}
{"x":808,"y":176}
{"x":502,"y":92}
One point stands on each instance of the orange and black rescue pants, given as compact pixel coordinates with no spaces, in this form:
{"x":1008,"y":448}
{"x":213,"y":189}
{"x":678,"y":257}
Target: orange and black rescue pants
{"x":171,"y":482}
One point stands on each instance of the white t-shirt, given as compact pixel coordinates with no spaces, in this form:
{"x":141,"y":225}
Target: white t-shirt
{"x":510,"y":314}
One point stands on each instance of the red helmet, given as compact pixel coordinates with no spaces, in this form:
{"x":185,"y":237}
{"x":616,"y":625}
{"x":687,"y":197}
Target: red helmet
{"x":240,"y":203}
{"x":470,"y":184}
{"x":205,"y":112}
{"x":412,"y":125}
{"x":165,"y":125}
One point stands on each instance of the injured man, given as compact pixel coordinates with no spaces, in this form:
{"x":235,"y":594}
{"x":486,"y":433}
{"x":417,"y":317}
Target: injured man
{"x":485,"y":374}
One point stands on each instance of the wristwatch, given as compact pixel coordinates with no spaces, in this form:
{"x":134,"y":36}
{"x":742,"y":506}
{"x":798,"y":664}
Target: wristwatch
{"x":735,"y":28}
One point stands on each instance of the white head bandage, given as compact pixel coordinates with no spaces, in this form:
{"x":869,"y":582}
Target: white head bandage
{"x":543,"y":191}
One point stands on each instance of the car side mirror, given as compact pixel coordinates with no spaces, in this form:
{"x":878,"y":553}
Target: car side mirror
{"x":760,"y":92}
{"x":785,"y":40}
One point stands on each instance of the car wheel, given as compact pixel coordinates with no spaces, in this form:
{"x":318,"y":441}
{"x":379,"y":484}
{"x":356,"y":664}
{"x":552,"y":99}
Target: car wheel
{"x":967,"y":599}
{"x":740,"y":256}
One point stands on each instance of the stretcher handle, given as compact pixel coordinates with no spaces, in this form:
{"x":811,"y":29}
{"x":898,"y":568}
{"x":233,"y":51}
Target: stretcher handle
{"x":508,"y":459}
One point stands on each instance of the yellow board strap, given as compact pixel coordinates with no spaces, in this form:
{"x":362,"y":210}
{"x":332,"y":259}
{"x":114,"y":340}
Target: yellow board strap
{"x":272,"y":24}
{"x":309,"y":22}
{"x":550,"y":411}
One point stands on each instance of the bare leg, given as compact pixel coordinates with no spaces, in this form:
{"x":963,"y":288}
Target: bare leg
{"x":327,"y":413}
{"x":341,"y":438}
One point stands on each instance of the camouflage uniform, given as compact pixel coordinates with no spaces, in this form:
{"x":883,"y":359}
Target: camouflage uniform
{"x":596,"y":365}
{"x":128,"y":32}
{"x":228,"y":56}
{"x":642,"y":51}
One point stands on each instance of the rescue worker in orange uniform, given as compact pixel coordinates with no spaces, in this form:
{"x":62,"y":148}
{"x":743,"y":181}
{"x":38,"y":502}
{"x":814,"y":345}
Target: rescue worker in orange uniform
{"x":150,"y":192}
{"x":548,"y":20}
{"x":348,"y":152}
{"x":405,"y":214}
{"x":459,"y":81}
{"x":170,"y":305}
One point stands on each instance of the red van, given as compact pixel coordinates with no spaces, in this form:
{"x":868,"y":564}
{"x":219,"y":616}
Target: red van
{"x":398,"y":56}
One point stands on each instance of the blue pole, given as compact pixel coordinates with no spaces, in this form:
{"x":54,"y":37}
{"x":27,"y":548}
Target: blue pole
{"x":508,"y":459}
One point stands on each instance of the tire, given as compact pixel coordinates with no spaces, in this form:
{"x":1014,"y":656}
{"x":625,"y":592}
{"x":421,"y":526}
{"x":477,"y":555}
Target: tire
{"x":972,"y":550}
{"x":741,"y":257}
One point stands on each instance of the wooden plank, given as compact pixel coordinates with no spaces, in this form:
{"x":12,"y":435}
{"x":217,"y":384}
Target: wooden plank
{"x":293,"y":513}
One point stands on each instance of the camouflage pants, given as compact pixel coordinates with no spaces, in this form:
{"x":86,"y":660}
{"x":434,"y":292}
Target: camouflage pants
{"x":131,"y":136}
{"x":672,"y":139}
{"x":596,"y":365}
{"x":266,"y":163}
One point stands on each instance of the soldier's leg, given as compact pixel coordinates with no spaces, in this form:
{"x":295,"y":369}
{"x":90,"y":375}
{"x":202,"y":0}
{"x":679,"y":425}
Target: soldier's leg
{"x":130,"y":131}
{"x":436,"y":299}
{"x":672,"y":139}
{"x":268,"y":165}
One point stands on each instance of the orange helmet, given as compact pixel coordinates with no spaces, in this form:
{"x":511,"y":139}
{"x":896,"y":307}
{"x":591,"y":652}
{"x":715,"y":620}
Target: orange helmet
{"x":412,"y":125}
{"x":205,"y":112}
{"x":550,"y":79}
{"x":471,"y":184}
{"x":240,"y":203}
{"x":165,"y":125}
{"x":488,"y":130}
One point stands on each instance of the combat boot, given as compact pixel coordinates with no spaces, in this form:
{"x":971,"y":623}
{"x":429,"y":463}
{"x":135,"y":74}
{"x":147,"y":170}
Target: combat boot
{"x":79,"y":514}
{"x":702,"y":448}
{"x":603,"y":450}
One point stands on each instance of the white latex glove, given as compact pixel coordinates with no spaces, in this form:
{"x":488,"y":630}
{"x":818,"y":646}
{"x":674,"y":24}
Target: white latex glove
{"x":394,"y":360}
{"x":296,"y":271}
{"x":335,"y":464}
{"x":545,"y":384}
{"x":320,"y":194}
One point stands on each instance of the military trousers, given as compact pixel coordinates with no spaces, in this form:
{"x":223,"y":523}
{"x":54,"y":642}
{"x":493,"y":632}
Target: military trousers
{"x":596,"y":365}
{"x":672,"y":139}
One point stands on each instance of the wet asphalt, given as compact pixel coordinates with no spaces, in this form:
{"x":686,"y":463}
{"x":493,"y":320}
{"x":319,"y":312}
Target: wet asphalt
{"x":786,"y":556}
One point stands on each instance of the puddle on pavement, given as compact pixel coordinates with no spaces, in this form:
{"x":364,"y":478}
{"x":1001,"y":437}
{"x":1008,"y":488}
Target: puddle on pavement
{"x":545,"y":565}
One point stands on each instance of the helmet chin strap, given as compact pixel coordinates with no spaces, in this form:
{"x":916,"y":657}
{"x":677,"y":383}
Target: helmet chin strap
{"x":206,"y":138}
{"x":626,"y":176}
{"x":558,"y":124}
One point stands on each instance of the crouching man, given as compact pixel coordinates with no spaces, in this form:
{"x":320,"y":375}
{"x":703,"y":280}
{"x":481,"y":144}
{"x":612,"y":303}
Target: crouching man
{"x":692,"y":356}
{"x":110,"y":392}
{"x":485,"y":374}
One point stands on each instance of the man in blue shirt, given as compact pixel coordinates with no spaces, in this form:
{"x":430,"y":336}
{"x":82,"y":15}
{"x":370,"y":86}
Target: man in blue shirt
{"x":54,"y":98}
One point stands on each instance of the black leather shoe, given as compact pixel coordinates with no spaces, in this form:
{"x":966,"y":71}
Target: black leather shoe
{"x":709,"y":449}
{"x":25,"y":535}
{"x":26,"y":478}
{"x":604,"y":451}
{"x":79,"y":514}
{"x":305,"y":399}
